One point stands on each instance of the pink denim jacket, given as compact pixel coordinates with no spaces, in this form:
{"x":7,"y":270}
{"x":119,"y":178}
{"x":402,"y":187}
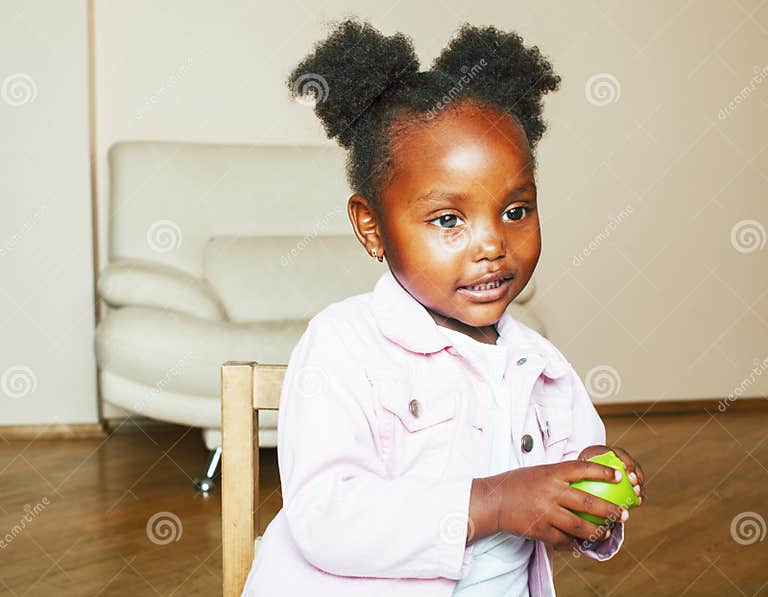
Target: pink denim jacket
{"x":382,"y":427}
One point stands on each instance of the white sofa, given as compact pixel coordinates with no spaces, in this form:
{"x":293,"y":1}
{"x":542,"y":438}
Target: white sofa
{"x":217,"y":253}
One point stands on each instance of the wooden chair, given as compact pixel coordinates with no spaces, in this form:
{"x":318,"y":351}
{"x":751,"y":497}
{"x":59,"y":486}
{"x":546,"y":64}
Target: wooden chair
{"x":246,"y":388}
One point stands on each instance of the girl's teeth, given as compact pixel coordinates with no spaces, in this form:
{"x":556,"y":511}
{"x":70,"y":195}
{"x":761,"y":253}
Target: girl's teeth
{"x":485,"y":286}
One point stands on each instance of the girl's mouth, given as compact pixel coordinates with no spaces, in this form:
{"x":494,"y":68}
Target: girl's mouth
{"x":486,"y":293}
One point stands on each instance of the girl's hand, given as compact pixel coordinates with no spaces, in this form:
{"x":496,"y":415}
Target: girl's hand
{"x":536,"y":502}
{"x":634,"y":470}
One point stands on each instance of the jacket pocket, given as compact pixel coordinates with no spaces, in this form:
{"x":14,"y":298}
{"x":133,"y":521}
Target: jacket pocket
{"x":555,"y":424}
{"x":419,"y":427}
{"x":420,"y":408}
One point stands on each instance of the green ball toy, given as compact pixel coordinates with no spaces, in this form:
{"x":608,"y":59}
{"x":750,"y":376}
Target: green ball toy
{"x":620,"y":493}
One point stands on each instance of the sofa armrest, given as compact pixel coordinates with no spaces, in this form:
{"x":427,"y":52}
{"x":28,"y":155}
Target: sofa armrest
{"x":143,"y":283}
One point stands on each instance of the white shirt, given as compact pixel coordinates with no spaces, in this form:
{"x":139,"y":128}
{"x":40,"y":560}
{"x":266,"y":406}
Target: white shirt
{"x":500,"y":563}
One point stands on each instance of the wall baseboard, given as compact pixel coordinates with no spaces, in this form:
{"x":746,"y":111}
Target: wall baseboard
{"x":133,"y":424}
{"x":53,"y":431}
{"x":668,"y":407}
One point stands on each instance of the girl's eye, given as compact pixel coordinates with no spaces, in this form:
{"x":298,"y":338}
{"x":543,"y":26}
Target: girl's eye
{"x":449,"y":219}
{"x":517,"y":212}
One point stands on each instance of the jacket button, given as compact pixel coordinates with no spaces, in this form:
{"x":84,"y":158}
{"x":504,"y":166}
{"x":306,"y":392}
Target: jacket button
{"x":527,"y":443}
{"x":414,"y":406}
{"x":521,"y":361}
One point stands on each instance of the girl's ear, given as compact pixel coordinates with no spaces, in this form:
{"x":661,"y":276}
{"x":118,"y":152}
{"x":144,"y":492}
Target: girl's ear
{"x":363,"y":217}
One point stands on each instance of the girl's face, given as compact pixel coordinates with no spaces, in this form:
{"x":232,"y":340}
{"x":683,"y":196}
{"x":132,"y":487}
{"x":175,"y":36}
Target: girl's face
{"x":461,"y":204}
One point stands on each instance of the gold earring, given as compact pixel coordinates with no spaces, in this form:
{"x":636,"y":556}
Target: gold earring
{"x":373,"y":254}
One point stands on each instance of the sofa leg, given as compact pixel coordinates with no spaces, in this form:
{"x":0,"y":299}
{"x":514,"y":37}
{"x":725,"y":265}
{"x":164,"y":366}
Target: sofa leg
{"x":206,"y":483}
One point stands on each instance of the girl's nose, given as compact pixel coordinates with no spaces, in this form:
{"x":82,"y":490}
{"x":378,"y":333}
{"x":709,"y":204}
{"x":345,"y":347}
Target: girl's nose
{"x":488,"y":242}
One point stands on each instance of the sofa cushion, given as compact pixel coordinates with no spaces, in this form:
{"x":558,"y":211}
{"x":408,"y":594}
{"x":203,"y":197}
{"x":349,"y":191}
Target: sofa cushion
{"x":182,"y":353}
{"x":261,"y":278}
{"x":150,"y":284}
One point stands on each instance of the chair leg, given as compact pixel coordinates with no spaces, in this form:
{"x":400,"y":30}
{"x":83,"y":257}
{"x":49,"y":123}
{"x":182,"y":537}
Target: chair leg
{"x":206,"y":483}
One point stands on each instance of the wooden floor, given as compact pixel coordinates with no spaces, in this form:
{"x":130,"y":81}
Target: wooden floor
{"x":89,"y":507}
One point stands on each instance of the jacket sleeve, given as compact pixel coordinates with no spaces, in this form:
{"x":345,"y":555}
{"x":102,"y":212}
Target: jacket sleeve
{"x":344,"y":514}
{"x":589,"y":430}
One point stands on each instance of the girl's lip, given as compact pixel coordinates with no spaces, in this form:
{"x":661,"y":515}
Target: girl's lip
{"x":486,"y":296}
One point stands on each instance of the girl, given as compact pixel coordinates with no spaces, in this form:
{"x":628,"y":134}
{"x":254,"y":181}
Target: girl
{"x":427,"y":439}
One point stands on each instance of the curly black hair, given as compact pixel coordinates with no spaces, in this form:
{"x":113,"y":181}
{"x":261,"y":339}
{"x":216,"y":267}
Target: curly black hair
{"x":367,"y":87}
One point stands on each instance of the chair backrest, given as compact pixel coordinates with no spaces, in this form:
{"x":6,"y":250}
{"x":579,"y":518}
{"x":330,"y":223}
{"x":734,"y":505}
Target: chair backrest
{"x":246,"y":388}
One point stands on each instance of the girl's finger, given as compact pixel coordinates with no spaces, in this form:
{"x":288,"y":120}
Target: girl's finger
{"x":560,"y":540}
{"x":637,"y":469}
{"x":570,"y":524}
{"x":617,"y":450}
{"x":570,"y":546}
{"x":576,"y":470}
{"x":581,"y":501}
{"x":629,"y":462}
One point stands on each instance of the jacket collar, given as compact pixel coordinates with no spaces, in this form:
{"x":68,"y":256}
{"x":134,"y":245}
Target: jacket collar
{"x":405,"y":321}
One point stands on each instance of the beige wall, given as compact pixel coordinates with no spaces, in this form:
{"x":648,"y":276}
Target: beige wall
{"x":47,"y":367}
{"x":661,"y":305}
{"x":669,"y":303}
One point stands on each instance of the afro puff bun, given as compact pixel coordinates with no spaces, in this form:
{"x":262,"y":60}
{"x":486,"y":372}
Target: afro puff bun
{"x":363,"y":82}
{"x":354,"y":65}
{"x":512,"y":77}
